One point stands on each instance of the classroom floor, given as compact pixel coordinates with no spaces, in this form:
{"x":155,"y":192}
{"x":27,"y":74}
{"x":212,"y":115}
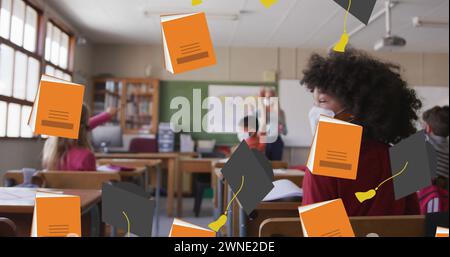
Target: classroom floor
{"x":205,"y":217}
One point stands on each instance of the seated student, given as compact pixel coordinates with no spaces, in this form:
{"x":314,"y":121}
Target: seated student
{"x":249,"y":125}
{"x":436,"y":127}
{"x":434,"y":198}
{"x":364,"y":91}
{"x":72,"y":154}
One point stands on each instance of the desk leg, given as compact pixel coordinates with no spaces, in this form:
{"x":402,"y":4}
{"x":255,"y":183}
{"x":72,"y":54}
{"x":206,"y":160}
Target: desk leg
{"x":219,"y":210}
{"x":179,"y":192}
{"x":230,"y":214}
{"x":157,"y":196}
{"x":145,"y":182}
{"x":170,"y":185}
{"x":242,"y":222}
{"x":95,"y":221}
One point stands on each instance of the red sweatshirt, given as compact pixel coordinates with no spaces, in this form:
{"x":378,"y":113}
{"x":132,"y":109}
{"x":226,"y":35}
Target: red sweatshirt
{"x":373,"y":168}
{"x":80,"y":158}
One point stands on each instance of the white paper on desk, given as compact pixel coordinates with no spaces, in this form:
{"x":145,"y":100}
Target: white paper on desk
{"x":223,"y":160}
{"x":283,"y":188}
{"x":279,"y":171}
{"x":106,"y":168}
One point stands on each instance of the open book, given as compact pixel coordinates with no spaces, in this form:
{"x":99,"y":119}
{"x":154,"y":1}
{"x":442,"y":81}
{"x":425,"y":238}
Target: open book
{"x":186,"y":42}
{"x":283,"y":188}
{"x":182,"y":228}
{"x":335,"y":149}
{"x":325,"y":219}
{"x":441,"y":232}
{"x":57,"y":108}
{"x":56,"y":215}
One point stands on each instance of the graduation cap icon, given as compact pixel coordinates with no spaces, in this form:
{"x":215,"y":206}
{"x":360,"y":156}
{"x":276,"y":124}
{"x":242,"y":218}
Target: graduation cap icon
{"x":129,"y":207}
{"x":361,"y":9}
{"x":250,"y":177}
{"x":420,"y":156}
{"x":413,"y":166}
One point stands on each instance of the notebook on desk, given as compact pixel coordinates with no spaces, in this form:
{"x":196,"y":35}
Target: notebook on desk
{"x":285,"y":190}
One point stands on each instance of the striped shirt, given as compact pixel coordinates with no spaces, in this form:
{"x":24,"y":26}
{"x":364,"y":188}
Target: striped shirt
{"x":440,"y":145}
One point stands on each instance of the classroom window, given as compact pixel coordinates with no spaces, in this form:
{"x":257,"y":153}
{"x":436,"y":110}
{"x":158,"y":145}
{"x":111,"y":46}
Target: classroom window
{"x":51,"y":71}
{"x":3,"y":118}
{"x":17,"y":21}
{"x":21,"y":63}
{"x":57,"y":51}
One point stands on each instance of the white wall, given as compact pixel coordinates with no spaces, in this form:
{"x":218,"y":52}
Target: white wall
{"x":248,"y":65}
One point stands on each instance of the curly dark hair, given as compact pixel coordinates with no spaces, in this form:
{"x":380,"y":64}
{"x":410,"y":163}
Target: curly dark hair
{"x":371,"y":90}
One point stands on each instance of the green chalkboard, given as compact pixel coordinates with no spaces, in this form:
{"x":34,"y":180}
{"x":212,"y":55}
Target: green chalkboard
{"x":172,"y":89}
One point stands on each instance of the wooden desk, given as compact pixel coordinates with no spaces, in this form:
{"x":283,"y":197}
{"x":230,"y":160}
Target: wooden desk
{"x":68,"y":179}
{"x":169,"y":161}
{"x":20,"y":210}
{"x":138,"y":164}
{"x":142,"y":168}
{"x":383,"y":226}
{"x":191,"y":165}
{"x":245,"y":227}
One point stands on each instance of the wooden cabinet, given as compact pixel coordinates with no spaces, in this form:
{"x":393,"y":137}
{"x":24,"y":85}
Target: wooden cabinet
{"x":137,"y":98}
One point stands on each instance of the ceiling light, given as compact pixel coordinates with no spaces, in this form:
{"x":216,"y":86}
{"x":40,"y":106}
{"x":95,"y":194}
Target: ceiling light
{"x":209,"y":15}
{"x":389,"y":42}
{"x":417,"y":22}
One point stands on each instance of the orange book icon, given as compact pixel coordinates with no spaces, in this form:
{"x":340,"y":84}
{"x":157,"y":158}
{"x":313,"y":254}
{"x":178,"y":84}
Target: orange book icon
{"x":441,"y":232}
{"x":335,"y":149}
{"x":186,"y":42}
{"x":325,"y":219}
{"x":56,"y":215}
{"x":185,"y":229}
{"x":57,"y":108}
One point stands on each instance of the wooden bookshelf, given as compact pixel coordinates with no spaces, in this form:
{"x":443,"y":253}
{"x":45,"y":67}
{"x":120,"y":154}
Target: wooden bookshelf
{"x":137,"y":98}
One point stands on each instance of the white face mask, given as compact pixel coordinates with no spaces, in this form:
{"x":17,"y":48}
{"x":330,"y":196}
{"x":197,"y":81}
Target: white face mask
{"x":243,"y":136}
{"x":314,"y":116}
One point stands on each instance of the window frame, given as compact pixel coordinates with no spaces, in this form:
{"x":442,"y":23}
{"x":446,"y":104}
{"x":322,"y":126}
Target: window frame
{"x":70,"y":50}
{"x":38,"y":54}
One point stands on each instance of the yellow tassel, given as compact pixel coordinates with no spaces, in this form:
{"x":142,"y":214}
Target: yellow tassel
{"x":216,"y":225}
{"x":364,"y":196}
{"x":220,"y":222}
{"x":342,"y":44}
{"x":128,"y":222}
{"x":196,"y":2}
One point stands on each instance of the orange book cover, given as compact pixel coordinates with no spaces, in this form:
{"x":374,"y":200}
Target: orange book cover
{"x":56,"y":215}
{"x":187,"y":43}
{"x":441,"y":232}
{"x":335,"y":149}
{"x":325,"y":219}
{"x":57,"y":108}
{"x":184,"y":229}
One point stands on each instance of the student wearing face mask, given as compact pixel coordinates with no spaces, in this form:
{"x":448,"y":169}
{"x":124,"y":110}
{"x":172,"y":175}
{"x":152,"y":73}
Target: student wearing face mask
{"x":249,"y":132}
{"x":356,"y":88}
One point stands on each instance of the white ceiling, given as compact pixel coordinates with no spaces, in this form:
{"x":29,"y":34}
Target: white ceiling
{"x":289,"y":23}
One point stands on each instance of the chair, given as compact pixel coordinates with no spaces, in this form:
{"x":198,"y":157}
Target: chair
{"x":143,"y":145}
{"x":7,"y":228}
{"x":15,"y":177}
{"x":202,"y":182}
{"x":383,"y":226}
{"x":63,"y":179}
{"x":77,"y":179}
